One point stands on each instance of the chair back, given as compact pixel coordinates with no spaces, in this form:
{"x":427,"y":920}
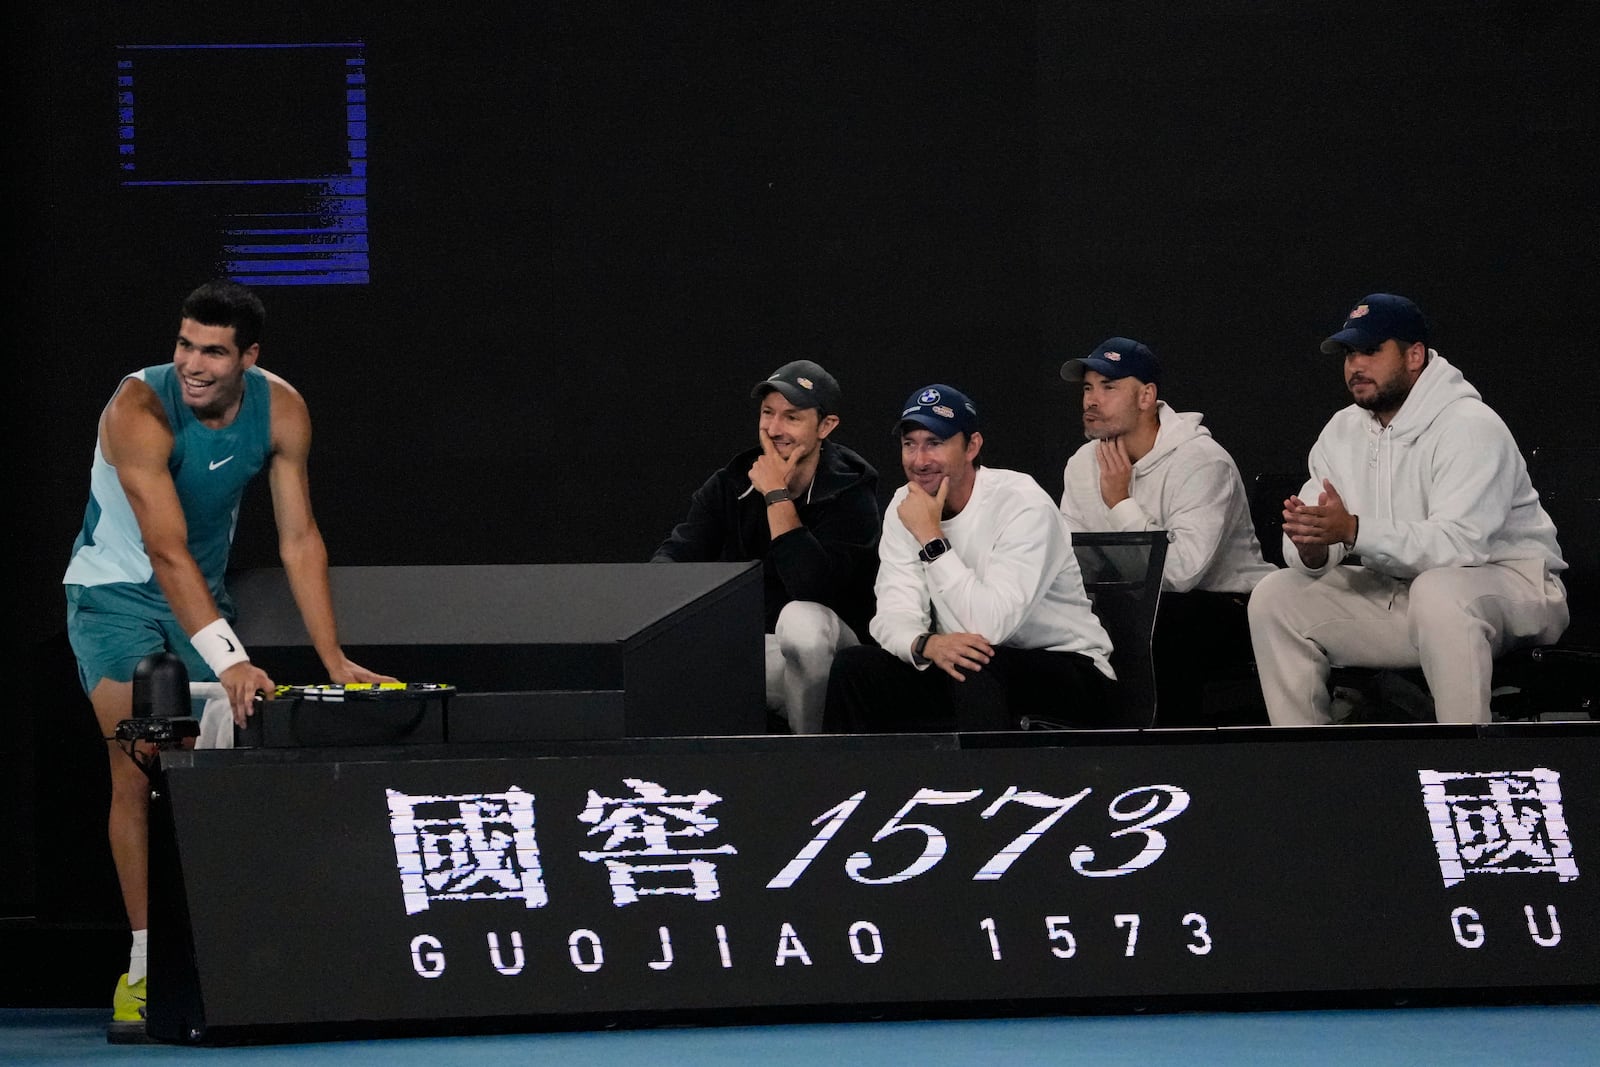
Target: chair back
{"x":1266,"y":491}
{"x":1122,"y":575}
{"x":1568,"y":481}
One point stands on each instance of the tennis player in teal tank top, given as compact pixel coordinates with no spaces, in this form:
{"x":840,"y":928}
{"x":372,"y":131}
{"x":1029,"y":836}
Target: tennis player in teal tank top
{"x":210,"y":469}
{"x":177,"y":445}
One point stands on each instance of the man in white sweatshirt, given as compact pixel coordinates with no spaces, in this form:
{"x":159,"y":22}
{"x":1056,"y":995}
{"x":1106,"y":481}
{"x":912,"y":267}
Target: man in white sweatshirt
{"x":1148,"y":467}
{"x":981,"y":615}
{"x":1420,"y":479}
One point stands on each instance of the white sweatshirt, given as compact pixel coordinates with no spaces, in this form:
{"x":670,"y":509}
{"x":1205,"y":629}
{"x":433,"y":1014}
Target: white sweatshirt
{"x":1009,"y":575}
{"x":1188,"y":485}
{"x":1443,"y":485}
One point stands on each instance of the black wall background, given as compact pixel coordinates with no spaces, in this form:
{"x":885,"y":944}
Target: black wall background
{"x":594,"y":226}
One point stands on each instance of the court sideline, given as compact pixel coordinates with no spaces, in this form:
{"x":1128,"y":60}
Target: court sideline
{"x":1546,"y":1036}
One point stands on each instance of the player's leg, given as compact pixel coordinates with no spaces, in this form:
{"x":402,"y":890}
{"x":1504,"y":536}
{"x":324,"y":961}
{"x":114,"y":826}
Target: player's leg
{"x":111,"y":630}
{"x":128,"y":825}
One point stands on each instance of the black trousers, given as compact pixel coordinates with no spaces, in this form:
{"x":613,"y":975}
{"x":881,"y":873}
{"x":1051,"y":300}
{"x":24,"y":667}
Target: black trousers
{"x":873,"y":691}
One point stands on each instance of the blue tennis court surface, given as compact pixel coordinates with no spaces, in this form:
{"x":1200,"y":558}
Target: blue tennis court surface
{"x":1545,"y":1036}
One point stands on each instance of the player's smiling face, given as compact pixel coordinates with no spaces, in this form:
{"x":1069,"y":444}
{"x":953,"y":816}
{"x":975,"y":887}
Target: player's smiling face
{"x":210,"y":367}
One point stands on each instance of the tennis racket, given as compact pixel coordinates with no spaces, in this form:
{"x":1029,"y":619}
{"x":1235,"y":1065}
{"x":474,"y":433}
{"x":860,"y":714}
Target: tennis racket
{"x":363,"y":691}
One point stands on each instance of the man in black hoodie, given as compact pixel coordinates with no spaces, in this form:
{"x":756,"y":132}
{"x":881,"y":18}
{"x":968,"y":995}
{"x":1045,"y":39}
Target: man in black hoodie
{"x":808,"y":509}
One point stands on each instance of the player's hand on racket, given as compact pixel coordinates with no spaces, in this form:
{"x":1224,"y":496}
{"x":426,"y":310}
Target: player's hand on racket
{"x":346,"y":672}
{"x":242,"y":682}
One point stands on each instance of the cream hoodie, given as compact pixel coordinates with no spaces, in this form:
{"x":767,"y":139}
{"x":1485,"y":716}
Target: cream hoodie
{"x":1188,"y":485}
{"x":1443,"y":485}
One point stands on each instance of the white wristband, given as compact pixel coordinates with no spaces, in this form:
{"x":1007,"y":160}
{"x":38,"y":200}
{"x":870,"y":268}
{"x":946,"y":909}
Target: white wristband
{"x":219,"y":646}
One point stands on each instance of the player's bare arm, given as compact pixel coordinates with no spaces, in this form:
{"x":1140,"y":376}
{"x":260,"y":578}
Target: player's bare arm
{"x":300,"y":544}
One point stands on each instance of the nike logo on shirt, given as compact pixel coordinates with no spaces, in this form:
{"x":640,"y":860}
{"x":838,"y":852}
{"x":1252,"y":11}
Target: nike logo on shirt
{"x":219,"y":462}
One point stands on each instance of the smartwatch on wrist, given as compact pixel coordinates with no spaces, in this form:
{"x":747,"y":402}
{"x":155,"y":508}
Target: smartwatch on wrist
{"x":776,"y":496}
{"x":933,"y":550}
{"x":918,"y":645}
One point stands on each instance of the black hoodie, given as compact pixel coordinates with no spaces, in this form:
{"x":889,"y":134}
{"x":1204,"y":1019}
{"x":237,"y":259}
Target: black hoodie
{"x":832,"y":558}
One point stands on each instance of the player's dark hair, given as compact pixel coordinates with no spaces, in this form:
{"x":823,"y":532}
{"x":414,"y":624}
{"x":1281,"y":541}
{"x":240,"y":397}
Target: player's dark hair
{"x":225,"y":303}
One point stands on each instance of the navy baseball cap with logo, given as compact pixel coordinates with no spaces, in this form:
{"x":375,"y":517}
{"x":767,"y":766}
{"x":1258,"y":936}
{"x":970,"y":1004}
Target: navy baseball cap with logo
{"x":804,"y":384}
{"x":1378,"y":317}
{"x":1116,"y":357}
{"x":943,"y":410}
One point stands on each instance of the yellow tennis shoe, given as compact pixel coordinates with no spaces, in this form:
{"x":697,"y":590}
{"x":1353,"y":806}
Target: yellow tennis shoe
{"x":127,"y":1003}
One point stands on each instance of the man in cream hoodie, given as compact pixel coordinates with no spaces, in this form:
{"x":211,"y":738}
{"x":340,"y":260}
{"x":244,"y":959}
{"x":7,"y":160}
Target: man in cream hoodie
{"x":1148,"y":467}
{"x":1421,"y":483}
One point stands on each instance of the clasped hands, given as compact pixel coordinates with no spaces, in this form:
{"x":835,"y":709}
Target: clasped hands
{"x":1313,"y":527}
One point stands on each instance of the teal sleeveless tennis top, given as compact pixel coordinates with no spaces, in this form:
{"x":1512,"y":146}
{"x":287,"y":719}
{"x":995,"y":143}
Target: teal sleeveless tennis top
{"x":210,"y":468}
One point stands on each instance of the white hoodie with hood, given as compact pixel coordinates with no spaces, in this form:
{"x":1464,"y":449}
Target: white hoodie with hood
{"x":1443,"y":485}
{"x":1188,"y":485}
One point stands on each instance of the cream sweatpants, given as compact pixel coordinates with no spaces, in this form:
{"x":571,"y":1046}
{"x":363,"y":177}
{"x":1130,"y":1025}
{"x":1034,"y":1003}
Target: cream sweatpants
{"x":1450,"y":621}
{"x":800,"y":654}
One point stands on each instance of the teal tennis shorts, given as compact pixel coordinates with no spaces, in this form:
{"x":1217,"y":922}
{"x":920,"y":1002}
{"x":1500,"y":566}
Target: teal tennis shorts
{"x":113,"y":627}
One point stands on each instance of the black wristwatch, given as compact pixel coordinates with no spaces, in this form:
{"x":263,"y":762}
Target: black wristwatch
{"x":777,"y":496}
{"x":933,"y":550}
{"x":918,"y":645}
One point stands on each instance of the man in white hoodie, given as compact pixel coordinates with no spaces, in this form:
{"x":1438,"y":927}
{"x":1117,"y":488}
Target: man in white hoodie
{"x":982,"y":616}
{"x":1148,"y":467}
{"x":1420,"y":479}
